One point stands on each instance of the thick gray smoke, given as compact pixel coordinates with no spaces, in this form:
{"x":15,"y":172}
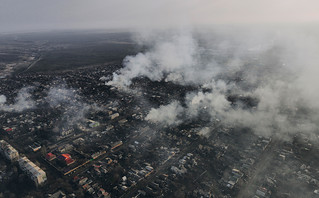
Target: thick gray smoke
{"x":177,"y":58}
{"x":166,"y":115}
{"x":278,"y":69}
{"x":186,"y":57}
{"x":23,"y":101}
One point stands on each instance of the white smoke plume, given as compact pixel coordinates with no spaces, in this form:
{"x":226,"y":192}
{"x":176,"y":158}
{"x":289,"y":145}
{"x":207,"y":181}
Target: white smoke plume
{"x":166,"y":115}
{"x":23,"y":101}
{"x":279,"y":70}
{"x":280,"y":112}
{"x":176,"y":58}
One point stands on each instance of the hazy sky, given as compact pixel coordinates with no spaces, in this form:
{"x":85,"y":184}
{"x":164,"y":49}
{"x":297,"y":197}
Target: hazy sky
{"x":24,"y":15}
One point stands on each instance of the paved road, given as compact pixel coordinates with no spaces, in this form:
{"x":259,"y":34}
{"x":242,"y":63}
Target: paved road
{"x":33,"y":63}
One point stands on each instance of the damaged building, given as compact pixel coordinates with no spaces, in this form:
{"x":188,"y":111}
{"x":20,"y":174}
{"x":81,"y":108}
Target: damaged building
{"x":36,"y":174}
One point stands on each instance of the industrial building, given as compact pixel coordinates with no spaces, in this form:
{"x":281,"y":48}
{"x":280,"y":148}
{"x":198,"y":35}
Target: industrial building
{"x":33,"y":171}
{"x":8,"y":151}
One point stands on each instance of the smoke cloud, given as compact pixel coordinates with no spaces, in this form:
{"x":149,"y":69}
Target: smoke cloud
{"x":177,"y":58}
{"x":271,"y":75}
{"x":74,"y":109}
{"x":61,"y":97}
{"x":166,"y":115}
{"x":23,"y":101}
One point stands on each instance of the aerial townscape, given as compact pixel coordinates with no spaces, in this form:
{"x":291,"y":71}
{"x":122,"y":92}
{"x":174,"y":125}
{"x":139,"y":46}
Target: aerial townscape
{"x":206,"y":110}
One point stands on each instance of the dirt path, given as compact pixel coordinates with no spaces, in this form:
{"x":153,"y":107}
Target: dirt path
{"x":260,"y":169}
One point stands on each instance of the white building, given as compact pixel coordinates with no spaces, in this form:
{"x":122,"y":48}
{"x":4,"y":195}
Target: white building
{"x":8,"y":151}
{"x":32,"y":170}
{"x":115,"y":115}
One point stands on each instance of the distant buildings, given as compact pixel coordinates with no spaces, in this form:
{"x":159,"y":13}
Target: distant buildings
{"x":36,"y":174}
{"x":8,"y":151}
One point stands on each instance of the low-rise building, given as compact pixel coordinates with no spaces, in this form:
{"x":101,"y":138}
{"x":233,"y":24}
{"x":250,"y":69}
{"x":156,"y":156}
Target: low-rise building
{"x":37,"y":175}
{"x":50,"y":156}
{"x":66,"y":159}
{"x":35,"y":147}
{"x":58,"y":194}
{"x":115,"y":115}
